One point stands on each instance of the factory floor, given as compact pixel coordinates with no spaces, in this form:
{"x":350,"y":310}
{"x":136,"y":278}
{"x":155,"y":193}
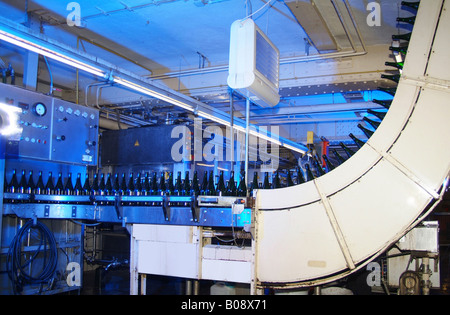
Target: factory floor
{"x":116,"y":282}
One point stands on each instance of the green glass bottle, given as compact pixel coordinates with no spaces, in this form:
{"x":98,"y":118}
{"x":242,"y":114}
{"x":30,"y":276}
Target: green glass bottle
{"x":266,"y":184}
{"x":68,"y":188}
{"x":204,"y":186}
{"x":151,"y":187}
{"x":138,"y":189}
{"x":86,"y":185}
{"x":319,"y":168}
{"x":95,"y":186}
{"x":309,"y":174}
{"x":178,"y":186}
{"x":170,"y":186}
{"x":347,"y":150}
{"x":50,"y":187}
{"x":30,"y":185}
{"x":395,"y":77}
{"x":254,"y":182}
{"x":162,"y":190}
{"x":195,"y":185}
{"x":406,"y":37}
{"x":211,"y":190}
{"x":289,"y":180}
{"x":40,"y":188}
{"x":367,"y":132}
{"x":373,"y":123}
{"x":379,"y":115}
{"x":338,"y":157}
{"x":385,"y":104}
{"x":221,"y":189}
{"x":242,"y":187}
{"x":398,"y":65}
{"x":276,"y":181}
{"x":390,"y":91}
{"x":123,"y":185}
{"x":409,"y":20}
{"x":14,"y":184}
{"x":78,"y":189}
{"x":231,"y":189}
{"x":187,"y":185}
{"x":359,"y":143}
{"x":411,"y":4}
{"x":300,"y":177}
{"x":59,"y":188}
{"x":109,"y":190}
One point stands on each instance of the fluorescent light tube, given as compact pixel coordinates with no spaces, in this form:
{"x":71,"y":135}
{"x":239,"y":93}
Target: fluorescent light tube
{"x":49,"y":53}
{"x":146,"y":91}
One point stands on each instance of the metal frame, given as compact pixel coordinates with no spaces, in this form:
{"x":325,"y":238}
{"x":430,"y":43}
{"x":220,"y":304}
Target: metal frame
{"x":344,"y":219}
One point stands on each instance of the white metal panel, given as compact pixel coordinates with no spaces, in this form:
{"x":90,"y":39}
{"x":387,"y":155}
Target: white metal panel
{"x":396,"y":118}
{"x":364,"y":218}
{"x":169,"y":259}
{"x":295,"y":245}
{"x":165,"y":233}
{"x":441,"y":49}
{"x":227,"y":270}
{"x":350,"y":171}
{"x":422,"y":38}
{"x":423,"y":147}
{"x":373,"y":210}
{"x":288,"y":197}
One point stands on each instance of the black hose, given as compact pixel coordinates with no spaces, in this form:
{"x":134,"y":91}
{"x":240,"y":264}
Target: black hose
{"x":41,"y":262}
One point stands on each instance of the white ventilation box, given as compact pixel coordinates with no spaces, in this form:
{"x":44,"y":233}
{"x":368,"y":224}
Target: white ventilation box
{"x":254,"y":64}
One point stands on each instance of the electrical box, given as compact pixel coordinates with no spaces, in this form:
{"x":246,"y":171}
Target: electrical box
{"x":50,"y":129}
{"x":254,"y":64}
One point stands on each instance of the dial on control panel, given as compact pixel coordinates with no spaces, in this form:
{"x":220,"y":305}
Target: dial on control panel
{"x":39,"y":109}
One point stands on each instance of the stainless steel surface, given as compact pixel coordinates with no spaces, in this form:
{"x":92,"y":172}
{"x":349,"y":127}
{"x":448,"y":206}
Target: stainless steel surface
{"x":56,"y":131}
{"x":210,"y":211}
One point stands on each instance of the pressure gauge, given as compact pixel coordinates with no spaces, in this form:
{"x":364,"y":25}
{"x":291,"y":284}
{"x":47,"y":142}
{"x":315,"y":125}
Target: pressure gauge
{"x":40,"y":109}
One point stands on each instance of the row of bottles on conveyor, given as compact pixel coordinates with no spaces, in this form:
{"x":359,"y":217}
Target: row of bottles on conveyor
{"x":148,"y":185}
{"x":141,"y":185}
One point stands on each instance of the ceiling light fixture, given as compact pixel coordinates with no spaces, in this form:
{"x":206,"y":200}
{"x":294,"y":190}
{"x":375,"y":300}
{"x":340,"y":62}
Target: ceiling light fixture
{"x":38,"y":48}
{"x":146,"y":91}
{"x":15,"y":40}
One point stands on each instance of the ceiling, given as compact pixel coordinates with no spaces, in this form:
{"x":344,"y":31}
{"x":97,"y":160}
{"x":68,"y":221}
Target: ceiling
{"x":185,"y":45}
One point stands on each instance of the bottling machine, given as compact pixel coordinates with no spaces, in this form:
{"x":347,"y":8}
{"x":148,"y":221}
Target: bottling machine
{"x":57,"y":178}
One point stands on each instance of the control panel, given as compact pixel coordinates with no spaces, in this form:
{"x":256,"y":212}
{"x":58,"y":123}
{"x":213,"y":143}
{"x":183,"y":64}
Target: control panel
{"x":51,"y":129}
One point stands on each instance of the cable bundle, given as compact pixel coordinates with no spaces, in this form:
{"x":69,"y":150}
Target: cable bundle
{"x":41,"y":262}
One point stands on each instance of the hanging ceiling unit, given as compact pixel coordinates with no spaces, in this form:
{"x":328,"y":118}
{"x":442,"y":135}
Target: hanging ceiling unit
{"x":254,"y":64}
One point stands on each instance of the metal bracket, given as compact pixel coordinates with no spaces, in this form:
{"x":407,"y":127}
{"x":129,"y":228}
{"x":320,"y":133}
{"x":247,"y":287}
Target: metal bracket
{"x":165,"y":207}
{"x":118,"y":207}
{"x":193,"y":210}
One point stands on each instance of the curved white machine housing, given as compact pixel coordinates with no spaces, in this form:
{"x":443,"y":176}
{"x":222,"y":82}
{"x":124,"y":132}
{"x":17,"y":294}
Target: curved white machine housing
{"x":326,"y":229}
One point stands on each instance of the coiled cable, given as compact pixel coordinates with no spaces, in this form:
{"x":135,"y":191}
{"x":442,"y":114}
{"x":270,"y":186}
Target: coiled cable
{"x":37,"y":266}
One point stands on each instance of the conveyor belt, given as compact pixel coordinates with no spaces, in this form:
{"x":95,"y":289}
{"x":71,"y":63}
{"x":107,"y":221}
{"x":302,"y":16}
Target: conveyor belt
{"x":328,"y":228}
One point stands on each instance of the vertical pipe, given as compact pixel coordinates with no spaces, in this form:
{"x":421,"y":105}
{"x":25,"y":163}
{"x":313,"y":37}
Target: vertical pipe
{"x":247,"y":131}
{"x":231,"y":130}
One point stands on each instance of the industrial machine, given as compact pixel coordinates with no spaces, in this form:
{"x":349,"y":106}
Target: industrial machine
{"x":323,"y":226}
{"x":47,"y":149}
